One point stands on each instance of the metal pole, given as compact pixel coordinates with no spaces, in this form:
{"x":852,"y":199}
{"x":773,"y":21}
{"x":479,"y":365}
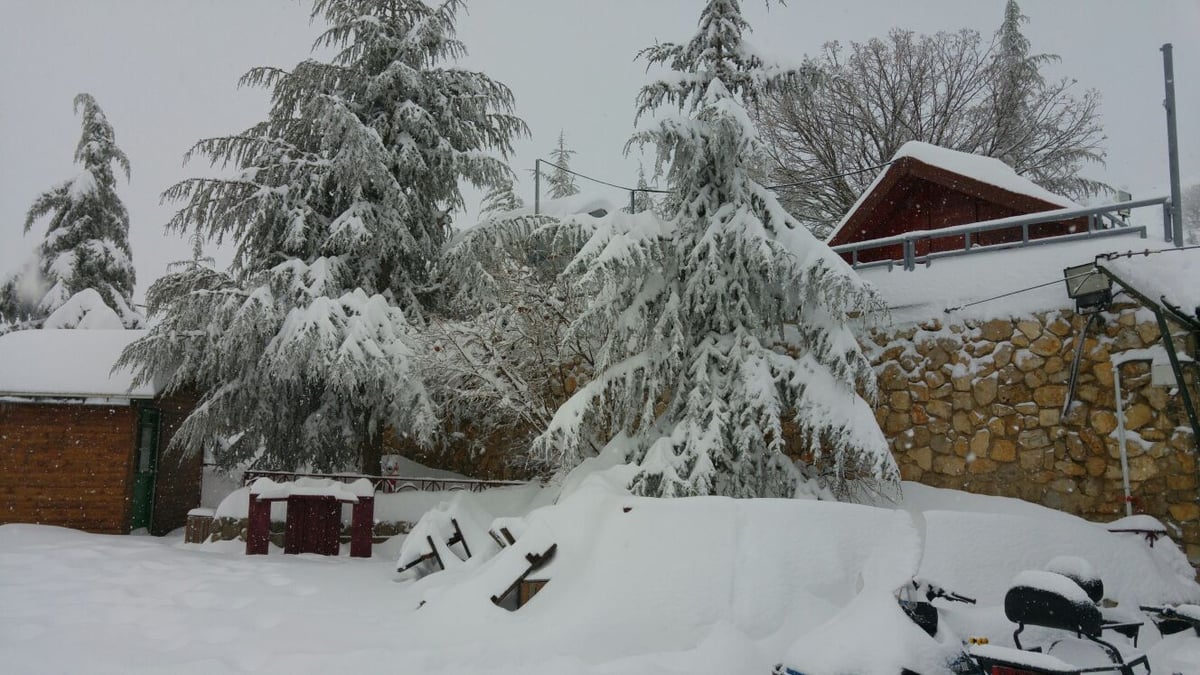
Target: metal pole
{"x":633,"y":202}
{"x":537,"y":187}
{"x":1173,"y":146}
{"x":1121,"y":437}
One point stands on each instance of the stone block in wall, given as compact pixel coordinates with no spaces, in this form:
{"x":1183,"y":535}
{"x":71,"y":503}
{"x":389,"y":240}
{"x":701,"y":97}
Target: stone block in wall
{"x":1035,"y":378}
{"x":1049,"y":417}
{"x":1059,"y":327}
{"x":1050,"y":396}
{"x":1103,"y":421}
{"x":1148,"y":332}
{"x":1003,"y":450}
{"x":985,"y":390}
{"x":1003,"y":355}
{"x":1029,"y":328}
{"x":980,"y":443}
{"x":941,"y":409}
{"x":1012,"y":394}
{"x":1046,"y":346}
{"x":1186,"y":512}
{"x":1033,"y":438}
{"x":950,"y":465}
{"x":996,"y":330}
{"x":900,"y":400}
{"x":1138,"y":416}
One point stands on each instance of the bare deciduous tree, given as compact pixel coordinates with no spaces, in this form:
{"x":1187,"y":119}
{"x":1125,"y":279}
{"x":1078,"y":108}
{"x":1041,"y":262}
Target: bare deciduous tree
{"x":1191,"y":214}
{"x":950,"y":89}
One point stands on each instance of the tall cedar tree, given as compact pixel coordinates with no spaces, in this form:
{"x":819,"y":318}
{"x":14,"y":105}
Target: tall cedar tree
{"x":87,"y":240}
{"x":303,"y":350}
{"x":561,"y":182}
{"x":949,"y":89}
{"x":726,"y":322}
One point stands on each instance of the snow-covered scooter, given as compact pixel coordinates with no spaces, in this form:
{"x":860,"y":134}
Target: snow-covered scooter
{"x":1067,"y":606}
{"x":916,"y":600}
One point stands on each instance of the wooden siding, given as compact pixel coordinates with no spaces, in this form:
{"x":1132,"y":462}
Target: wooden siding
{"x":915,"y":196}
{"x":177,"y":486}
{"x":67,"y":465}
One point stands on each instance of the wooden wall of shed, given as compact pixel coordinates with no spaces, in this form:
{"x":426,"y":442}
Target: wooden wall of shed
{"x":922,"y":205}
{"x":177,"y":486}
{"x":66,"y":465}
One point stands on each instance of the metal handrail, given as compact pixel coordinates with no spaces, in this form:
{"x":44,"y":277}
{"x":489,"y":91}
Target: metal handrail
{"x":909,"y":240}
{"x":387,"y":484}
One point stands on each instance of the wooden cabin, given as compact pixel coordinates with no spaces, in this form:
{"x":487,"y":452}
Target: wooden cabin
{"x":927,"y":187}
{"x":80,"y":446}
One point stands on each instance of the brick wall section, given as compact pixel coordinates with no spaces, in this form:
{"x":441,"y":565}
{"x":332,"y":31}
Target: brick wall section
{"x":976,"y":406}
{"x":66,"y":465}
{"x":177,"y":485}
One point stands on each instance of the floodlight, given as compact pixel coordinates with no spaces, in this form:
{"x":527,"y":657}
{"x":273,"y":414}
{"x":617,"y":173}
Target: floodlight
{"x":1090,"y":288}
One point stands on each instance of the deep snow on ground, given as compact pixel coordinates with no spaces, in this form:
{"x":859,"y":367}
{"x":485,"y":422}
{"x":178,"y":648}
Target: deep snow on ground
{"x":705,"y":585}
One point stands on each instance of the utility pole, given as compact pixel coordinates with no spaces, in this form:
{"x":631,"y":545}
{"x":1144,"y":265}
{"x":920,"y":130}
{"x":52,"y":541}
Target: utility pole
{"x":1173,"y":146}
{"x":537,"y":187}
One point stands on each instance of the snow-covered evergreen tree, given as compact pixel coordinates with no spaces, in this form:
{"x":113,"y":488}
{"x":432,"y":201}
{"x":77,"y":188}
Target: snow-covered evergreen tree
{"x":303,"y":350}
{"x":1017,"y":72}
{"x":561,"y":181}
{"x":728,"y":321}
{"x":87,"y":239}
{"x":501,"y":199}
{"x":643,"y":198}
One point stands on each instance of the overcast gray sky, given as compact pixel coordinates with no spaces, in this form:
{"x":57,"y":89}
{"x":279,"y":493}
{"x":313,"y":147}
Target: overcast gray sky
{"x":165,"y":72}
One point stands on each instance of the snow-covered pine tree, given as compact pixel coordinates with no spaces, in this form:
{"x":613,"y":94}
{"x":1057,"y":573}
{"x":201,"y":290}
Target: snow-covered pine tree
{"x":643,"y":199}
{"x":561,"y":182}
{"x":501,"y":199}
{"x":303,"y":351}
{"x":1016,"y":73}
{"x":727,"y":322}
{"x":87,"y":239}
{"x":1033,"y":119}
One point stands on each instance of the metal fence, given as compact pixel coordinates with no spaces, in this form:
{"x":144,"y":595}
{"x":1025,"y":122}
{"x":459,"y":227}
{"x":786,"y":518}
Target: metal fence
{"x":388,"y":484}
{"x":1102,"y":222}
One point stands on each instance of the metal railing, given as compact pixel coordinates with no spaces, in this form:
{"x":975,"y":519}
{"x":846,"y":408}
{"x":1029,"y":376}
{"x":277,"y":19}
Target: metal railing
{"x":1097,"y":217}
{"x":387,"y":484}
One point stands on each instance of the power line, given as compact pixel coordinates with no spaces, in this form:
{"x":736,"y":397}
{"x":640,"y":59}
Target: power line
{"x":1129,"y":254}
{"x":1106,"y":256}
{"x":783,"y":186}
{"x":1005,"y":295}
{"x":602,"y":182}
{"x":810,"y":181}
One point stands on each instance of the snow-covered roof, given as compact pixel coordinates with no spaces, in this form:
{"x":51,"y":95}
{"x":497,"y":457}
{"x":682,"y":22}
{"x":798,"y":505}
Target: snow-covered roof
{"x":1173,"y":274}
{"x":983,"y":169}
{"x":68,"y":364}
{"x":924,"y":292}
{"x":86,"y":309}
{"x":986,"y":170}
{"x":589,"y":203}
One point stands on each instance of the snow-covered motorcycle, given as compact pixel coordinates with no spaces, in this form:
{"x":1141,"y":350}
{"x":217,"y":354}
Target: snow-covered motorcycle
{"x":1071,"y":640}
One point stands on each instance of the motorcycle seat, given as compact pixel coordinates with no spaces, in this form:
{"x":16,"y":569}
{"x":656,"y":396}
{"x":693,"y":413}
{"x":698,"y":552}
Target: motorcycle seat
{"x":1051,"y":600}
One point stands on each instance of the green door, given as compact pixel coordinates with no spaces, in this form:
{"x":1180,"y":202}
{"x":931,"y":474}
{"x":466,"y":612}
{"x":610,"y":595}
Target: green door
{"x":143,"y":471}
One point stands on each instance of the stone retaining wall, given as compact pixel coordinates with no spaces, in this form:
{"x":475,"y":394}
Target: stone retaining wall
{"x":977,"y":406}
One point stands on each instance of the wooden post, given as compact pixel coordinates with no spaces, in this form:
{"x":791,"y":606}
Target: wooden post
{"x":258,"y":526}
{"x":362,"y":527}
